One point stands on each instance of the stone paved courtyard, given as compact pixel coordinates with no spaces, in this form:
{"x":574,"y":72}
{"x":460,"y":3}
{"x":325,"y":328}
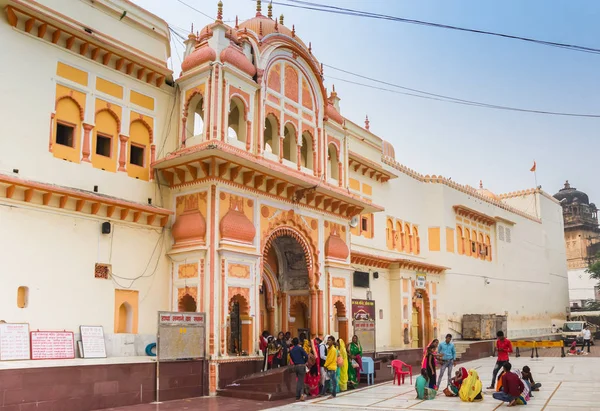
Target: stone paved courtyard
{"x":570,"y":383}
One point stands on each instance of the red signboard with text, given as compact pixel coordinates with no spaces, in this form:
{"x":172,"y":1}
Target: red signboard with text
{"x":52,"y":345}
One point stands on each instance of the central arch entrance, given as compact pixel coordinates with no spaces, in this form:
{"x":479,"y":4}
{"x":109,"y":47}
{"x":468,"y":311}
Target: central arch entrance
{"x":288,"y":274}
{"x":421,"y":319}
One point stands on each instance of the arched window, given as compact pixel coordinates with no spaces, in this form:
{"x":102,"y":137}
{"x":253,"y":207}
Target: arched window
{"x":488,"y":248}
{"x":460,"y":240}
{"x":195,"y":121}
{"x":125,"y":324}
{"x":417,"y":241}
{"x":390,"y":234}
{"x":481,"y":247}
{"x":187,"y":303}
{"x":399,"y":236}
{"x":290,"y":148}
{"x":306,"y":151}
{"x":236,"y":121}
{"x":467,"y":241}
{"x":138,"y":159}
{"x":407,"y":239}
{"x":473,"y":244}
{"x":271,"y":135}
{"x":106,"y":141}
{"x":67,"y":130}
{"x":332,"y":163}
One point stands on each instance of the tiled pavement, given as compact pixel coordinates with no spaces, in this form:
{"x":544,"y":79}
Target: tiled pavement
{"x":569,"y":383}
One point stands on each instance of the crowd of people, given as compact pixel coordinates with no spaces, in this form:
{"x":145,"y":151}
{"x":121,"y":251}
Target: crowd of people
{"x":510,"y":385}
{"x":322,"y":366}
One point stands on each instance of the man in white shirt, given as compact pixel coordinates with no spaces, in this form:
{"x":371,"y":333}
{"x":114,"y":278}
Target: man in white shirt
{"x":587,"y":338}
{"x":323,"y":357}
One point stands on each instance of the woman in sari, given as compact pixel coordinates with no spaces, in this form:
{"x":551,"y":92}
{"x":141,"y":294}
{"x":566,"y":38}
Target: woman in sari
{"x":456,"y":382}
{"x":280,"y":359}
{"x":434,"y":343}
{"x":471,"y":387}
{"x":430,"y":367}
{"x":343,"y":377}
{"x":313,"y":377}
{"x":421,"y":386}
{"x":356,"y":356}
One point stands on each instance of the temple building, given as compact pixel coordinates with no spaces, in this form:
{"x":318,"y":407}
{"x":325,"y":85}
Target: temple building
{"x":582,"y":242}
{"x":240,"y":190}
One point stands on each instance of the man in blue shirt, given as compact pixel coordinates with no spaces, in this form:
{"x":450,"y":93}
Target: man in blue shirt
{"x":447,"y":356}
{"x":299,"y":358}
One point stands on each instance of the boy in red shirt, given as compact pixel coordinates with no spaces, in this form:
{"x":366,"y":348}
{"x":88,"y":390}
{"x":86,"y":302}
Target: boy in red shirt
{"x":504,"y":347}
{"x":512,"y":387}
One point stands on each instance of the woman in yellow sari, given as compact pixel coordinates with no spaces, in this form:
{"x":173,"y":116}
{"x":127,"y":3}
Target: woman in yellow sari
{"x":343,"y":379}
{"x":471,"y":387}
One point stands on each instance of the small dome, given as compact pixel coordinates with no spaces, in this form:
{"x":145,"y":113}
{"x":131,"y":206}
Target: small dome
{"x":388,"y":150}
{"x":570,"y":195}
{"x":234,"y":56}
{"x":190,"y":227}
{"x":198,"y":57}
{"x":335,"y":247}
{"x":487,"y":193}
{"x":235,"y":226}
{"x":333,"y":114}
{"x":263,"y":24}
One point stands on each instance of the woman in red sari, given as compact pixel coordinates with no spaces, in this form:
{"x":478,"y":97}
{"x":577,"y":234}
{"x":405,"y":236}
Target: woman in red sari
{"x":313,"y":377}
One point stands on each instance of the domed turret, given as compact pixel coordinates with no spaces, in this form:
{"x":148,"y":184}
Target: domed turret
{"x":570,"y":195}
{"x":335,"y":247}
{"x":189,"y":228}
{"x":486,"y":192}
{"x":235,"y":226}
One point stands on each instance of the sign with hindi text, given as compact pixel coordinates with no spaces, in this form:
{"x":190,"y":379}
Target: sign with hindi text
{"x":14,"y":342}
{"x":92,"y":341}
{"x":52,"y":345}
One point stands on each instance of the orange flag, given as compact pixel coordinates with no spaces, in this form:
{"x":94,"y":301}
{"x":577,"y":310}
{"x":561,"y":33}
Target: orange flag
{"x":534,"y":166}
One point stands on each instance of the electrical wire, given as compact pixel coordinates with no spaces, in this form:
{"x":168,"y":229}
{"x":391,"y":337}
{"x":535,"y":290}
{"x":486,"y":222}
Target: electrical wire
{"x":466,"y":103}
{"x":360,"y":13}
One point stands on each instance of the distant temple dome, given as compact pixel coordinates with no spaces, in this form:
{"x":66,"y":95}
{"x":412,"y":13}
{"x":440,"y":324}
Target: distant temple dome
{"x":388,"y":150}
{"x":487,"y":193}
{"x":570,"y":195}
{"x":198,"y":57}
{"x":262,"y":26}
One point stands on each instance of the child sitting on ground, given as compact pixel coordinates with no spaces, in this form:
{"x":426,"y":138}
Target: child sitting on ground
{"x":423,"y":391}
{"x":528,"y":377}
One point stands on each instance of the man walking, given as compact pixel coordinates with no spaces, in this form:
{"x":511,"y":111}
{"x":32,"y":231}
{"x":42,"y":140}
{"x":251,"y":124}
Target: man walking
{"x":587,"y":338}
{"x":299,"y":358}
{"x":447,"y":355}
{"x":323,"y":357}
{"x":504,"y":347}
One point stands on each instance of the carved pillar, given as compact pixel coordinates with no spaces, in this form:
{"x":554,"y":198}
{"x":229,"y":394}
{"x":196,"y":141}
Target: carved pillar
{"x":314,"y":313}
{"x":152,"y":160}
{"x":314,"y":160}
{"x":85,"y":148}
{"x":299,"y":156}
{"x":52,"y":115}
{"x":183,"y":131}
{"x":281,"y":149}
{"x":123,"y":152}
{"x":340,"y":179}
{"x":284,"y":312}
{"x":321,"y":313}
{"x":260,"y":124}
{"x":248,"y":133}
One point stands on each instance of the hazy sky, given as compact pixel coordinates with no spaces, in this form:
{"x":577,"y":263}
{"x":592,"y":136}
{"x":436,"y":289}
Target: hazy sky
{"x":465,"y":143}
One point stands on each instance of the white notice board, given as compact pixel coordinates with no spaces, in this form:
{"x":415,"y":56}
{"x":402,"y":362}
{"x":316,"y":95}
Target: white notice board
{"x":14,"y":342}
{"x":52,"y":345}
{"x":92,"y":340}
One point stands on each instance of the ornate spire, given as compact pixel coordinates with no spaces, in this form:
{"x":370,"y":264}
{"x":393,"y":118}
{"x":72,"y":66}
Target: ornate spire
{"x":281,"y":19}
{"x":567,"y":185}
{"x":310,"y":47}
{"x":321,"y":69}
{"x":220,"y":12}
{"x":481,"y":184}
{"x":258,"y":8}
{"x":367,"y":123}
{"x":293,"y":30}
{"x":270,"y":10}
{"x":260,"y":32}
{"x":333,"y":93}
{"x":237,"y":26}
{"x":276,"y":25}
{"x":191,"y":35}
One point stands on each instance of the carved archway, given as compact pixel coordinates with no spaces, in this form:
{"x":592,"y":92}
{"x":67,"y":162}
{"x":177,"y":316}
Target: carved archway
{"x":290,"y":225}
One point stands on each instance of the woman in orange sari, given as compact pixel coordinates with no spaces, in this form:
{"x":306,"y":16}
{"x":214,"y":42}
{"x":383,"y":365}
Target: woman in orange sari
{"x":313,"y":377}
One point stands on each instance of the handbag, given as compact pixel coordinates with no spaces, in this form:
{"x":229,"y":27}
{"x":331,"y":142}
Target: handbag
{"x":355,"y":364}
